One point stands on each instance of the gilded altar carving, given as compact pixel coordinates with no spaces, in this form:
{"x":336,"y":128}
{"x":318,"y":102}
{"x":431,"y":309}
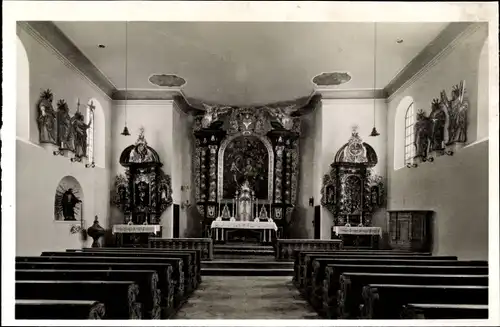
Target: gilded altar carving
{"x":144,"y":191}
{"x":351,"y":190}
{"x":245,"y":157}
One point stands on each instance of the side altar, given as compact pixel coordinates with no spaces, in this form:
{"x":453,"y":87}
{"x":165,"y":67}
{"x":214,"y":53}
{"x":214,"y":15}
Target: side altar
{"x":352,"y":192}
{"x":142,"y":194}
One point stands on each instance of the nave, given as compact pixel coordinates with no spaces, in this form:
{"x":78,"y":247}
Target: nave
{"x":152,"y":283}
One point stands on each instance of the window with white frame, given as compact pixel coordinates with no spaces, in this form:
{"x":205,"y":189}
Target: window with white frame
{"x":90,"y":131}
{"x":409,"y":134}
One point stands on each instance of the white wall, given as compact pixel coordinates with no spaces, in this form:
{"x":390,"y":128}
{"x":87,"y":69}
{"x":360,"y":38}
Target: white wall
{"x":338,"y":117}
{"x":38,"y":171}
{"x":455,"y":187}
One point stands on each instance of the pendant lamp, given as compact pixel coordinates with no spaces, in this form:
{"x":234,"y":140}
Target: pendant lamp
{"x":125,"y":129}
{"x":374,"y":130}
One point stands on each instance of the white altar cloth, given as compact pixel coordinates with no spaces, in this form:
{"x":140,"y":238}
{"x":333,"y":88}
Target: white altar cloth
{"x":244,"y":225}
{"x":129,"y":229}
{"x":357,"y":230}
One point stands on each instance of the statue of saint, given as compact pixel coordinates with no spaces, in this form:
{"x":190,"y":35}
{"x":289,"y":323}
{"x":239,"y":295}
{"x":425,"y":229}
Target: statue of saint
{"x":438,"y":120}
{"x":459,"y":105}
{"x":69,"y":201}
{"x":47,"y":124}
{"x":79,"y":129}
{"x":422,"y":135}
{"x":64,"y":126}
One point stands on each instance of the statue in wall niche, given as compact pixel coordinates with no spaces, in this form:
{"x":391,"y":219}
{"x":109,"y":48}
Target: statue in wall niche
{"x":438,"y":121}
{"x":64,"y":134}
{"x":422,"y":130}
{"x":68,"y":202}
{"x":47,"y":123}
{"x":79,"y":129}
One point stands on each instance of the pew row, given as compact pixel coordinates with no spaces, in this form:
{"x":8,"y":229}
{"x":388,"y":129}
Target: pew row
{"x":386,"y":301}
{"x":204,"y":245}
{"x":59,"y":309}
{"x":119,"y":297}
{"x":444,"y":311}
{"x":165,"y":275}
{"x":331,"y":283}
{"x":147,"y":280}
{"x":349,"y":296}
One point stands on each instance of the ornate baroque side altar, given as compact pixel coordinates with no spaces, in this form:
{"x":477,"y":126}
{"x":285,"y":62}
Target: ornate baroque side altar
{"x":247,"y":149}
{"x":352,"y":191}
{"x":142,"y":194}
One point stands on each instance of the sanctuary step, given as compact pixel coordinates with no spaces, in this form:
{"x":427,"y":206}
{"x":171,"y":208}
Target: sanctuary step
{"x":244,"y":250}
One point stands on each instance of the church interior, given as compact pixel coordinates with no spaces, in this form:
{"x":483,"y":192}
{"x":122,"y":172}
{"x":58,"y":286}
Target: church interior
{"x":252,"y":170}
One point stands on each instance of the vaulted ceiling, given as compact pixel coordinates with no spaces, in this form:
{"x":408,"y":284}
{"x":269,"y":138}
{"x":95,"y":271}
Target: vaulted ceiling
{"x":242,"y":63}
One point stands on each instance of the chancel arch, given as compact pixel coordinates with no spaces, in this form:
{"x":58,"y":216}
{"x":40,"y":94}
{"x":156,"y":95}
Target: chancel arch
{"x":400,"y":124}
{"x":22,"y":92}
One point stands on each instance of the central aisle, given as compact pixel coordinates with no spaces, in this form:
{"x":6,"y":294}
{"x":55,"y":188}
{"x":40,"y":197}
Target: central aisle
{"x":246,"y":297}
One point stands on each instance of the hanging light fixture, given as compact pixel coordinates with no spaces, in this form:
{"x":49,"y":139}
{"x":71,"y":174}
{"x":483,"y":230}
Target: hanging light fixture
{"x":125,"y":129}
{"x":374,"y":130}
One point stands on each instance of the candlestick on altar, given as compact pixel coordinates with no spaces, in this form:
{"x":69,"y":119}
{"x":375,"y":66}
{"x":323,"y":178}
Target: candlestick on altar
{"x":257,"y":214}
{"x":219,"y":210}
{"x":233,"y":209}
{"x":270,"y":215}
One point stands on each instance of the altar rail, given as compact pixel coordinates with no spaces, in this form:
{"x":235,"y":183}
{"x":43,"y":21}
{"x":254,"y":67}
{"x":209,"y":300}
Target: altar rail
{"x":286,"y":247}
{"x":205,"y":245}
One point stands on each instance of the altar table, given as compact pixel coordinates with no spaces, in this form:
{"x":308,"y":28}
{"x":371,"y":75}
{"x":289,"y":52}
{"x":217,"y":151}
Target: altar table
{"x":222,"y":228}
{"x":356,"y":235}
{"x":136,"y":235}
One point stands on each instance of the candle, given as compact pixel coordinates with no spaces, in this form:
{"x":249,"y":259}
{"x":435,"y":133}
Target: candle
{"x":270,"y":216}
{"x":219,"y":211}
{"x":257,"y":214}
{"x":233,"y":209}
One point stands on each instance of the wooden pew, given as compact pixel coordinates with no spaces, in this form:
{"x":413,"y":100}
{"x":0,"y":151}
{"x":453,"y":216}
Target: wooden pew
{"x":166,"y":282}
{"x":308,"y":269}
{"x":150,"y":295}
{"x":315,"y":274}
{"x":204,"y":245}
{"x":59,"y":309}
{"x":189,"y":268}
{"x":285,"y":248}
{"x":331,"y":283}
{"x":299,"y":256}
{"x":177,"y":267}
{"x":351,"y":285}
{"x":119,"y":297}
{"x":385,"y":301}
{"x":198,"y":254}
{"x":444,"y":311}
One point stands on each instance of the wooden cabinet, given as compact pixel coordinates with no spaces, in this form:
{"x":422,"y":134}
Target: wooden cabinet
{"x":410,"y":230}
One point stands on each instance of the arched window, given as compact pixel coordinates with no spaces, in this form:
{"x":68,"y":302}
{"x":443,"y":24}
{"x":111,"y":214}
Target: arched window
{"x":90,"y":131}
{"x":403,"y":132}
{"x":23,"y":113}
{"x":409,"y":134}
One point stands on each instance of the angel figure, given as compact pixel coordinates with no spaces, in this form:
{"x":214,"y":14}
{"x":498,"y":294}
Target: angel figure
{"x":212,"y":114}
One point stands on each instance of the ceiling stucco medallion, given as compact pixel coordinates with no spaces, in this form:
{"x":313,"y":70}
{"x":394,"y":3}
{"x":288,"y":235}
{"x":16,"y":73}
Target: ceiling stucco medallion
{"x":168,"y":80}
{"x":330,"y":79}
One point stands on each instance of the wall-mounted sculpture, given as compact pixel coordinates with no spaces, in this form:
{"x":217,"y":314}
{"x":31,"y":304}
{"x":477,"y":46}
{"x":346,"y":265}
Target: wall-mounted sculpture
{"x":446,"y":126}
{"x":59,"y":128}
{"x":144,"y":192}
{"x":68,"y":200}
{"x":255,"y":144}
{"x":351,"y":190}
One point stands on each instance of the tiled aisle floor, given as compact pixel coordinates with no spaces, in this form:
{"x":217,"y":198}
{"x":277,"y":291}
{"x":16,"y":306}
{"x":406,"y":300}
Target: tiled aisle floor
{"x":247,"y":297}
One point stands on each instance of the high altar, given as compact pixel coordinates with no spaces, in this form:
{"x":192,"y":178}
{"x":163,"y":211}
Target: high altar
{"x":246,"y":166}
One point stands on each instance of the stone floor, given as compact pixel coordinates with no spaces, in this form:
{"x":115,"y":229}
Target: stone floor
{"x":246,"y":297}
